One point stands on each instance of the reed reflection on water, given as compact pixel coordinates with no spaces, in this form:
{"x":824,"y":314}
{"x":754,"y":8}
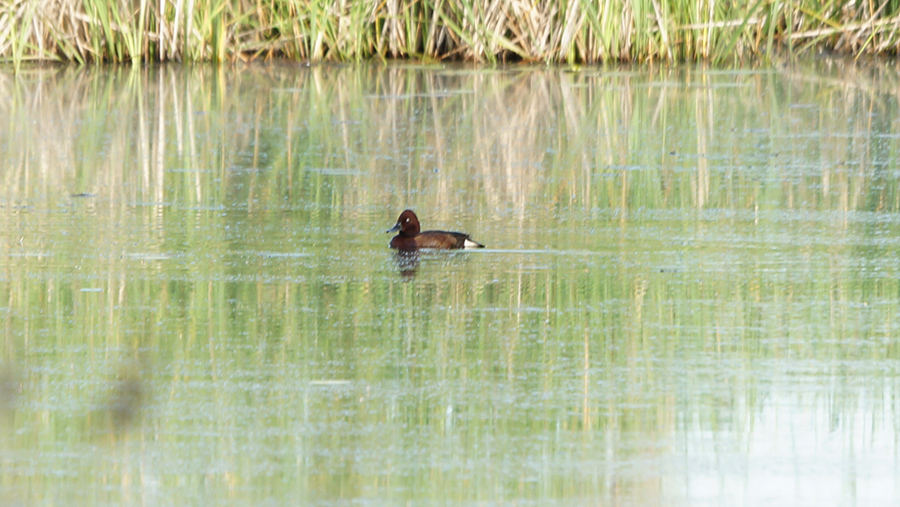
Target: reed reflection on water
{"x":689,"y":294}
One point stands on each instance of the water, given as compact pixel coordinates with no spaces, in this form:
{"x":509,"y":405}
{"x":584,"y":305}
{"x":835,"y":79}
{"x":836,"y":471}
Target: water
{"x":689,"y":294}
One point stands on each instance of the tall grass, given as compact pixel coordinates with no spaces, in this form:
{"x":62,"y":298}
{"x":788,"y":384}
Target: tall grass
{"x":573,"y":31}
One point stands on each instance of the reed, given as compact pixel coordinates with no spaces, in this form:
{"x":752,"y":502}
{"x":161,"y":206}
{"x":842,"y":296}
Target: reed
{"x":573,"y":32}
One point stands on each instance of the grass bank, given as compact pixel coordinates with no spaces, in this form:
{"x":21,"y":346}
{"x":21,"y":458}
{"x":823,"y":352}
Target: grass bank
{"x":558,"y":31}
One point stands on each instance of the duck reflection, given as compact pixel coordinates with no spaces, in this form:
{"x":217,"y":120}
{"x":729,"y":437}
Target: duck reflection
{"x":407,"y":263}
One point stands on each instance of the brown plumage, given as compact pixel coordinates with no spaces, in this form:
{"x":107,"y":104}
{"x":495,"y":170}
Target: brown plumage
{"x":409,"y":237}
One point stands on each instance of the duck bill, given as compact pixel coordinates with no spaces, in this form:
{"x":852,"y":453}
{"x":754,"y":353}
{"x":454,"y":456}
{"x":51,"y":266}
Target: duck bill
{"x":395,"y":228}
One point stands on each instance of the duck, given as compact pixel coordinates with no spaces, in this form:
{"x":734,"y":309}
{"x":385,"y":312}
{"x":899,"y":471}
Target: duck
{"x":409,"y":237}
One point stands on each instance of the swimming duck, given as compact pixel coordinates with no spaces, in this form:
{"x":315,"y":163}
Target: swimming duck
{"x":409,"y":237}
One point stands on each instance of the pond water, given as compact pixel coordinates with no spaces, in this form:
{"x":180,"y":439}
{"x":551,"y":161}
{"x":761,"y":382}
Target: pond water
{"x":690,"y":292}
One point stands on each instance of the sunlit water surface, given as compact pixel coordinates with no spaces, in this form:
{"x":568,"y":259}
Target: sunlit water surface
{"x":690,"y":293}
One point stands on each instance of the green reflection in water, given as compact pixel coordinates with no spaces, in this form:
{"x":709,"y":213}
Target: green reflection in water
{"x":689,"y":295}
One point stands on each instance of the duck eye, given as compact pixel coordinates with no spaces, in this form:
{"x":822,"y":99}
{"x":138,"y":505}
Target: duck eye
{"x":407,"y":220}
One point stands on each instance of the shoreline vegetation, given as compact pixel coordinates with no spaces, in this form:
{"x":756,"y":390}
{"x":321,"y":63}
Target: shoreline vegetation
{"x":489,"y":31}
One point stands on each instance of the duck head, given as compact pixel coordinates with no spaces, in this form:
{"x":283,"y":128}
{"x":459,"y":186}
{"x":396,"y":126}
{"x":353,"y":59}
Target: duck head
{"x":407,"y":224}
